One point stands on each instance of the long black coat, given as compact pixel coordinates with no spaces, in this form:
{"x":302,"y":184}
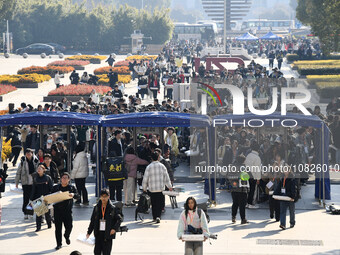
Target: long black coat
{"x":113,"y":218}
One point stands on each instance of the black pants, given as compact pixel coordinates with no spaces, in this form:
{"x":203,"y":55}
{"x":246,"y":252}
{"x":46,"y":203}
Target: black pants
{"x":115,"y":188}
{"x":169,"y":93}
{"x":61,"y":217}
{"x":102,"y":245}
{"x":80,"y":184}
{"x":27,"y":189}
{"x":39,"y":218}
{"x":271,"y":63}
{"x":156,"y":203}
{"x":154,"y":92}
{"x":274,"y":207}
{"x":15,"y":154}
{"x":252,"y":184}
{"x":239,"y":201}
{"x":279,"y":64}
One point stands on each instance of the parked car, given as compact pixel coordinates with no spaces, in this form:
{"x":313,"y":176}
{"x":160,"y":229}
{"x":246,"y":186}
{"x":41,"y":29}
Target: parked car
{"x":36,"y":48}
{"x":57,"y":47}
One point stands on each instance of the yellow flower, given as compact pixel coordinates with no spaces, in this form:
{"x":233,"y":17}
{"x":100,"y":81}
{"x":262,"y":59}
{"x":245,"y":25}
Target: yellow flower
{"x":6,"y":149}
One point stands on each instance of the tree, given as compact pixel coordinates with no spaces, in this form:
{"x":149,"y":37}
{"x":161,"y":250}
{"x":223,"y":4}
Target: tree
{"x":6,"y":9}
{"x":323,"y":18}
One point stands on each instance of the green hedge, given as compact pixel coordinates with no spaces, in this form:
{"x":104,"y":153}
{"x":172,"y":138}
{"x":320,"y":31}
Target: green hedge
{"x":328,"y":89}
{"x":319,"y":70}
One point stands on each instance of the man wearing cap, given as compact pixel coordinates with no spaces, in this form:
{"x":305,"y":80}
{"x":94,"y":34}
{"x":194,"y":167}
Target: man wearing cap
{"x":116,"y":93}
{"x":25,"y":173}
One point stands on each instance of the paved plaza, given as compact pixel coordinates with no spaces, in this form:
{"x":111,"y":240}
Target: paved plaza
{"x":315,"y":231}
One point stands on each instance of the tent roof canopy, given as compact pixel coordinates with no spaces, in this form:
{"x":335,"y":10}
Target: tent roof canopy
{"x":247,"y":37}
{"x":156,"y":119}
{"x":271,"y":36}
{"x":50,"y":118}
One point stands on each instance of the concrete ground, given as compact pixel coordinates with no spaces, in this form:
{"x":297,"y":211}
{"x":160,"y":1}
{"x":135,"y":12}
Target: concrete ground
{"x":315,"y":231}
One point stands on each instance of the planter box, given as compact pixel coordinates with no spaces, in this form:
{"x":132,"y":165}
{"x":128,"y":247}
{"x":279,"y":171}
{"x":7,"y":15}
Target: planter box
{"x":95,"y":61}
{"x":70,"y":98}
{"x":26,"y":85}
{"x":79,"y":68}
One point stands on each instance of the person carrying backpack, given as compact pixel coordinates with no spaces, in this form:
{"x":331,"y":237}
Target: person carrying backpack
{"x":192,"y":220}
{"x":287,"y":187}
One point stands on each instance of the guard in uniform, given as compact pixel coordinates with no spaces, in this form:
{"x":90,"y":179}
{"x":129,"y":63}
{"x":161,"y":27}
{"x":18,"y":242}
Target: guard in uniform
{"x":63,"y":210}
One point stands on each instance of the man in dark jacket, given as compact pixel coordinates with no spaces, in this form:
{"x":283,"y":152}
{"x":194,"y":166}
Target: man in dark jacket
{"x":287,"y":188}
{"x":63,"y":210}
{"x":105,"y":222}
{"x":74,"y":77}
{"x":16,"y":145}
{"x":33,"y":139}
{"x":116,"y":145}
{"x":239,"y":189}
{"x":113,"y":78}
{"x":117,"y":93}
{"x":51,"y":168}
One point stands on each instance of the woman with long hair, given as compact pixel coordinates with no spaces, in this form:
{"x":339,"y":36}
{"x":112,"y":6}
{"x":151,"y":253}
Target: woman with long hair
{"x":192,"y":218}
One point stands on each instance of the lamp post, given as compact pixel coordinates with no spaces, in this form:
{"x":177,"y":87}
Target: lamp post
{"x":225,"y":28}
{"x":7,"y":37}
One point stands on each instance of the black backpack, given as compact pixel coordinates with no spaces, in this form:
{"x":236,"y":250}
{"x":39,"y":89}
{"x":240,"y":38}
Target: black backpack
{"x":143,"y":206}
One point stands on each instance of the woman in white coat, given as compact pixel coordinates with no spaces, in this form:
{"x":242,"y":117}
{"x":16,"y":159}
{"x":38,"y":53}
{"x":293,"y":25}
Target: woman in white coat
{"x":79,"y":173}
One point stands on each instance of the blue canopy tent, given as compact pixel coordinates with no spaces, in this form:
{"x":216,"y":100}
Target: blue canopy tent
{"x":322,"y":181}
{"x":57,"y":119}
{"x":247,"y":37}
{"x":164,"y":119}
{"x":271,"y":37}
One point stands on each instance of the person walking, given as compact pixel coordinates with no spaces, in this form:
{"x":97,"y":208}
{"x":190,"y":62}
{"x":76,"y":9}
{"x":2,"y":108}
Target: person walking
{"x":110,"y":60}
{"x":239,"y":189}
{"x":79,"y":173}
{"x":105,"y":222}
{"x":271,"y":58}
{"x":57,"y":77}
{"x":63,"y":210}
{"x":26,"y":169}
{"x":33,"y":139}
{"x":131,"y":163}
{"x":279,"y":58}
{"x":253,"y":162}
{"x":42,"y":185}
{"x":16,"y":145}
{"x":192,"y":218}
{"x":155,"y":179}
{"x":287,"y":187}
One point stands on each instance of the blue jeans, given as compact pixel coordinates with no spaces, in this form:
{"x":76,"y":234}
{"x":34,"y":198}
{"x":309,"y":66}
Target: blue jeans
{"x":283,"y":211}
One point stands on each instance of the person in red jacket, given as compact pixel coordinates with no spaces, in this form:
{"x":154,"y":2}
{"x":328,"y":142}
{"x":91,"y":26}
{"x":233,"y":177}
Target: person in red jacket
{"x":154,"y":85}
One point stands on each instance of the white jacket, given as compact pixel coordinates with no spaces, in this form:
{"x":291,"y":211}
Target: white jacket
{"x":80,"y":166}
{"x":253,"y":161}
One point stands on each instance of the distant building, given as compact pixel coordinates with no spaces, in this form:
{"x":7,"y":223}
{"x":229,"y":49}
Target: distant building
{"x":236,"y":10}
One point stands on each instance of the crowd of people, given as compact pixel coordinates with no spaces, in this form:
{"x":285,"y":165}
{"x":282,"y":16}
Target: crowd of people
{"x":150,"y":163}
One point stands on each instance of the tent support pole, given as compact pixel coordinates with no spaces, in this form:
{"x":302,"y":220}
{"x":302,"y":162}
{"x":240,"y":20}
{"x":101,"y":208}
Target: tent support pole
{"x":323,"y":162}
{"x":207,"y":164}
{"x":69,"y":156}
{"x":216,"y":163}
{"x":41,"y":129}
{"x":98,"y":163}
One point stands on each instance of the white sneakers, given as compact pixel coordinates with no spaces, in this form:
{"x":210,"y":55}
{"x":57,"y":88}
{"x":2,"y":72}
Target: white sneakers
{"x":252,"y":206}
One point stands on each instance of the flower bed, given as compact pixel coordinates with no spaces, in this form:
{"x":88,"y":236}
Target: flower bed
{"x":79,"y":90}
{"x":328,"y":89}
{"x":4,"y":89}
{"x":106,"y":70}
{"x":92,"y":59}
{"x":49,"y":70}
{"x":104,"y":80}
{"x":69,"y":63}
{"x":6,"y":149}
{"x":313,"y":79}
{"x":23,"y":79}
{"x":319,"y":69}
{"x":122,"y":63}
{"x":139,"y":57}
